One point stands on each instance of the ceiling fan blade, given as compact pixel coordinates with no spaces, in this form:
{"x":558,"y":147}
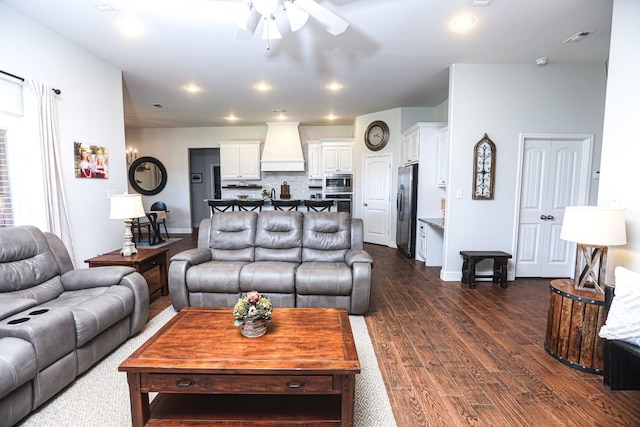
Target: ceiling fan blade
{"x":252,"y":24}
{"x":334,"y":24}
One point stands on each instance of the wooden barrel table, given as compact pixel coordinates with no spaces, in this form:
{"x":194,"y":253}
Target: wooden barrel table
{"x":573,"y":322}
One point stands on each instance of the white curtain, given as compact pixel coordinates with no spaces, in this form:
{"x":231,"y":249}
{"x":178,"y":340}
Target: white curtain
{"x":55,"y":204}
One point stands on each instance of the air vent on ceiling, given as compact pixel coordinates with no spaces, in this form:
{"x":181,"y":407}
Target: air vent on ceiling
{"x":578,"y":37}
{"x":481,"y":2}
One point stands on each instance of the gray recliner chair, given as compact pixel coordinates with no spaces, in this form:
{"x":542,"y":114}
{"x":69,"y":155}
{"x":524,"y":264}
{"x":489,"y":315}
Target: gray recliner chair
{"x":57,"y":322}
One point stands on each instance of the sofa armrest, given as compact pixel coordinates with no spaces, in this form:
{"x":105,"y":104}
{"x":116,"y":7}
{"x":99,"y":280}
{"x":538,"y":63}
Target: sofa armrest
{"x":357,"y":255}
{"x":113,"y":276}
{"x":193,"y":256}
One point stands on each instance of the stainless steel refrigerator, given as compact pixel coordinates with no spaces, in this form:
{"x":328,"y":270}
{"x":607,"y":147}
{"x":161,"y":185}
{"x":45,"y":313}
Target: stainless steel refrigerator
{"x":406,"y":207}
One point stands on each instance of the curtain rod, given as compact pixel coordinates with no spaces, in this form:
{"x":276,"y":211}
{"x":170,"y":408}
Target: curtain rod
{"x":56,"y":91}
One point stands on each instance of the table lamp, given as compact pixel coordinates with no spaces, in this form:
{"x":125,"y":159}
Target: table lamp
{"x":126,"y":207}
{"x":593,"y":228}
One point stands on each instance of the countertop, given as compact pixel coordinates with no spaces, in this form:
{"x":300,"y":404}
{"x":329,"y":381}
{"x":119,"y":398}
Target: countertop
{"x":435,"y":222}
{"x":266,"y":201}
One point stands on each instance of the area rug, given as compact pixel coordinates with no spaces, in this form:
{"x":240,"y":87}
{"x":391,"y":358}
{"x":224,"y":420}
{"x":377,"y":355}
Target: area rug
{"x":100,"y":397}
{"x":145,"y":243}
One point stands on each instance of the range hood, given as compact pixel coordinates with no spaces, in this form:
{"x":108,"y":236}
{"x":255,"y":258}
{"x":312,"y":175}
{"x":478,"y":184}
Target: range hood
{"x":282,"y":149}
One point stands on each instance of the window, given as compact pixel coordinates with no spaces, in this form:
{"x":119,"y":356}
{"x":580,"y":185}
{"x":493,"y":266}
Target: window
{"x":6,"y":210}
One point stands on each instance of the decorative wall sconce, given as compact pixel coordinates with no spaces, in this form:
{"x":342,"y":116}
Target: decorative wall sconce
{"x":131,"y":155}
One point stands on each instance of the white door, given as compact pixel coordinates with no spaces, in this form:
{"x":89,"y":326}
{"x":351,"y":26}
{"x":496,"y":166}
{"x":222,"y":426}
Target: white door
{"x":555,"y":174}
{"x":376,"y":198}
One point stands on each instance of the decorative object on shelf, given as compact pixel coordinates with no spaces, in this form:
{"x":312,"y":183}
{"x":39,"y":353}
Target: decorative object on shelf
{"x":376,"y":136}
{"x":126,"y":207}
{"x":484,"y":169}
{"x":196,"y":178}
{"x":132,"y":154}
{"x":593,"y":228}
{"x":252,"y":312}
{"x":285,"y":191}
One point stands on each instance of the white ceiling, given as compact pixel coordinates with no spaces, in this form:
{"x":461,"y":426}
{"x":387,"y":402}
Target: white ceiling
{"x":395,"y":53}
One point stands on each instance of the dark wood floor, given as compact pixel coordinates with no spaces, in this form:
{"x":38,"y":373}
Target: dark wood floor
{"x":452,"y":356}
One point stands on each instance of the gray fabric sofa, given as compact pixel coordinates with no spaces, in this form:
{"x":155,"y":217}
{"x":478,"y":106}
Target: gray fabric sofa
{"x":315,"y":259}
{"x":56,"y":322}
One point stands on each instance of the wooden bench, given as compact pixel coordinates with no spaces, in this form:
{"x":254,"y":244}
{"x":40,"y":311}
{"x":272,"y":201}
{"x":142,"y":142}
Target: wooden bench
{"x":471,"y":258}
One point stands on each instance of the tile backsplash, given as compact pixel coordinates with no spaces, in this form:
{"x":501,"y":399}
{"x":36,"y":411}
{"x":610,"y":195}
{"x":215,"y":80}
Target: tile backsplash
{"x":298,"y":185}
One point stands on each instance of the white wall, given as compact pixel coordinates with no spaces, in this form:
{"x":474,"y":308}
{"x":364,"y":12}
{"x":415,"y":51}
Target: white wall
{"x":89,"y":110}
{"x":503,"y":101}
{"x":171,"y":146}
{"x":620,"y":147}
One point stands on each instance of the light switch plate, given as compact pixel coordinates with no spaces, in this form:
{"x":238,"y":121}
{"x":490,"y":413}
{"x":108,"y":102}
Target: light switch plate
{"x":458,"y":194}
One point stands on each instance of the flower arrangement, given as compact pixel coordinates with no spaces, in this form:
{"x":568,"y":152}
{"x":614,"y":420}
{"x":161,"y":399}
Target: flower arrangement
{"x":252,"y":306}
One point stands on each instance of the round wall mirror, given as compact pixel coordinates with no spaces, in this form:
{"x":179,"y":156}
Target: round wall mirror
{"x":147,"y":175}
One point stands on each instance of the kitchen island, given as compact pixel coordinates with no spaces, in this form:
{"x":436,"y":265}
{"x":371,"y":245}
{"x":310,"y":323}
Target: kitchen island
{"x":268,"y":205}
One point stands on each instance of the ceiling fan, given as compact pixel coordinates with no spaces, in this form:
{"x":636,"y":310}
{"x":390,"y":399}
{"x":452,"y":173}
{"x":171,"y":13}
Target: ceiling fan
{"x":250,"y":13}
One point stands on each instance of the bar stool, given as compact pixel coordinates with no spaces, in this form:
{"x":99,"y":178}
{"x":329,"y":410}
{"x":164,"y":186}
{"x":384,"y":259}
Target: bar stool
{"x":221,"y":205}
{"x":285,"y":205}
{"x":318,"y":205}
{"x":249,"y":205}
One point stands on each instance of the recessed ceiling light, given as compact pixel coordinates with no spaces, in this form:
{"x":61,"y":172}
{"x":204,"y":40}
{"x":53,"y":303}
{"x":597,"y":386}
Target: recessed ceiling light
{"x":232,"y":118}
{"x":159,"y":106}
{"x":129,"y":26}
{"x":331,"y":117}
{"x":578,"y":37}
{"x":192,"y":88}
{"x":105,"y":8}
{"x":542,"y":61}
{"x":262,"y":86}
{"x":281,"y":117}
{"x":481,"y":2}
{"x":334,"y":86}
{"x":462,"y":23}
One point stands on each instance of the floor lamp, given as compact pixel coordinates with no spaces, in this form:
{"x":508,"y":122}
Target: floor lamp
{"x":594,"y":229}
{"x":126,"y":207}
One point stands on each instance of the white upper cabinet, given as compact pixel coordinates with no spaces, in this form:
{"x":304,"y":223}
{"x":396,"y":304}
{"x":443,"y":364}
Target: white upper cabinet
{"x":314,"y":159}
{"x":442,"y":167}
{"x":411,"y":145}
{"x":337,"y":157}
{"x":240,"y":160}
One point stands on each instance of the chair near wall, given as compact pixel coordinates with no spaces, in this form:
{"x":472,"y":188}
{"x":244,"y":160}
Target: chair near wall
{"x":285,"y":205}
{"x":318,"y":205}
{"x":249,"y":205}
{"x":221,"y":205}
{"x":161,"y":209}
{"x":136,"y":229}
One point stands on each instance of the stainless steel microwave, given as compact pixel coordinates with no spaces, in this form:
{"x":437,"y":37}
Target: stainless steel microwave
{"x":338,"y":183}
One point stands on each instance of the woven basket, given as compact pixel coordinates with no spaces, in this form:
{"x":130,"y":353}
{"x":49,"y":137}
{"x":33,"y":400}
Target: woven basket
{"x":254,"y":328}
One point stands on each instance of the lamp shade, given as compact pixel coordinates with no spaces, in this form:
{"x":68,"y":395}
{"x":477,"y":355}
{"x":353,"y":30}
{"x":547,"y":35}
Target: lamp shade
{"x":125,"y":206}
{"x":594,"y":225}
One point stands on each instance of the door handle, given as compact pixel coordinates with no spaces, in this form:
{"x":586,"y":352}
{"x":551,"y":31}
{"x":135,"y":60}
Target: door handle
{"x":543,"y":217}
{"x":366,"y":204}
{"x":549,"y":217}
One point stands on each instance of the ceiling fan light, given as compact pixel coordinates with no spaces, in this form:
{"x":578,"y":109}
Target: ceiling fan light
{"x":265,"y":7}
{"x":296,"y":16}
{"x":270,"y":29}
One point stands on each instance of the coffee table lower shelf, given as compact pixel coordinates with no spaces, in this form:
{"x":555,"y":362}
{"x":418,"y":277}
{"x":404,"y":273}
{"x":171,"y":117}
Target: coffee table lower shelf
{"x":245,"y":410}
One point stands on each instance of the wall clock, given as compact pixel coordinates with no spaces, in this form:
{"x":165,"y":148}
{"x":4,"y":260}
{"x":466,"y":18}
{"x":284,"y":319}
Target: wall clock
{"x":484,"y":169}
{"x":377,"y":135}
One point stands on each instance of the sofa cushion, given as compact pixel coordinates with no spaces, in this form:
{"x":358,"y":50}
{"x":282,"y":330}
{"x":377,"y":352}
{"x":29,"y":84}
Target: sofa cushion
{"x":215,"y":276}
{"x":326,"y":236}
{"x":623,"y":320}
{"x":17,"y":364}
{"x":41,"y":293}
{"x":279,"y":236}
{"x":232,"y":236}
{"x":323,"y":278}
{"x":269,"y":276}
{"x":25,"y":259}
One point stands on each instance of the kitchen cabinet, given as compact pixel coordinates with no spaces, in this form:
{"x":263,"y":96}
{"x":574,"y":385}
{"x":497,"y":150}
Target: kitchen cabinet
{"x":442,"y":166}
{"x":314,"y":159}
{"x":240,"y":160}
{"x":422,"y":240}
{"x":411,"y":145}
{"x":337,"y":157}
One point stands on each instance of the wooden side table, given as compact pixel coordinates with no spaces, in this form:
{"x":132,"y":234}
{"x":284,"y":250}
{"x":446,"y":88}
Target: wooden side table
{"x":573,"y":322}
{"x":144,"y":260}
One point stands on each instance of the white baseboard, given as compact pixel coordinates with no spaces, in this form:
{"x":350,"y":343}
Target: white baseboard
{"x":180,"y":231}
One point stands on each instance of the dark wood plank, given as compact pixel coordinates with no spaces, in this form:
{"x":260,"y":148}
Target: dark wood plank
{"x":441,"y":322}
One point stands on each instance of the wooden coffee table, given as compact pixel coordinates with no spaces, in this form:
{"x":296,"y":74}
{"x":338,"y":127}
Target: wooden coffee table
{"x":144,"y":260}
{"x":302,"y":372}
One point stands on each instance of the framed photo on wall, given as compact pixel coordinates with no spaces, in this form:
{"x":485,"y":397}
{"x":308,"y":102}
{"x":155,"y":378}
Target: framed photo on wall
{"x":196,"y":178}
{"x":91,"y":161}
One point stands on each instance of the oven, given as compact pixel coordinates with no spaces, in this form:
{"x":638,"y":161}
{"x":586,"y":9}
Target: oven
{"x":343,"y":201}
{"x":338,"y":183}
